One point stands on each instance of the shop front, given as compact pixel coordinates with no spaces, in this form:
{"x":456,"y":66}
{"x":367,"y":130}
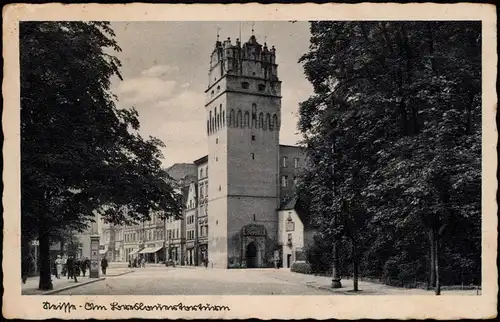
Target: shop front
{"x":152,"y":253}
{"x":191,"y":253}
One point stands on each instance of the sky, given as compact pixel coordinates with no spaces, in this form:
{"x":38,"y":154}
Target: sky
{"x":165,"y":73}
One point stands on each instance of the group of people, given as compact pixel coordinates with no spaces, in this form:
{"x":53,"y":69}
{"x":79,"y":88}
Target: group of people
{"x":71,"y":267}
{"x":137,"y":262}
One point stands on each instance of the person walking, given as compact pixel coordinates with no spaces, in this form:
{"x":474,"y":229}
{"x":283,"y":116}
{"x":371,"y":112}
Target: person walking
{"x":71,"y":267}
{"x":59,"y":266}
{"x":84,"y":264}
{"x":78,"y":265}
{"x":143,"y":262}
{"x":104,"y":265}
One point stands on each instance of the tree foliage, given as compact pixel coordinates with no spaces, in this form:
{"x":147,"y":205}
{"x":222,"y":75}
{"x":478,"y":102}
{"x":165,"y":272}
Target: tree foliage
{"x":80,"y":153}
{"x":401,"y":103}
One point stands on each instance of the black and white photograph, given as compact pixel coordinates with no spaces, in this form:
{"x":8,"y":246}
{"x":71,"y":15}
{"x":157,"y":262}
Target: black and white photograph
{"x":319,"y":158}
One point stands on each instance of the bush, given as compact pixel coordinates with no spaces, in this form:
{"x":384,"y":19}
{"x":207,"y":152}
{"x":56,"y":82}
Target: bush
{"x":301,"y":267}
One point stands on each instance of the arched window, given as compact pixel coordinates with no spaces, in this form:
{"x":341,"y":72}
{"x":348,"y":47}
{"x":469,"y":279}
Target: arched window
{"x":261,"y":120}
{"x":210,"y":120}
{"x":215,"y":120}
{"x":239,"y":119}
{"x":231,"y":118}
{"x":275,"y":121}
{"x":268,"y":122}
{"x":247,"y":119}
{"x":254,"y":115}
{"x":271,"y":124}
{"x":221,"y":115}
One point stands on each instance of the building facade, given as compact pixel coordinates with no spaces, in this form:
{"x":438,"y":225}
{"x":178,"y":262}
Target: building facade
{"x":236,"y":220}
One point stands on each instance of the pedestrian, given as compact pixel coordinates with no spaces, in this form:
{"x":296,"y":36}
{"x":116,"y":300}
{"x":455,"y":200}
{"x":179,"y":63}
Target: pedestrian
{"x":71,"y":267}
{"x":65,"y":265}
{"x":130,"y":263}
{"x":104,"y":265}
{"x":59,"y":266}
{"x":85,"y":263}
{"x":143,"y":262}
{"x":78,"y":265}
{"x":206,"y":262}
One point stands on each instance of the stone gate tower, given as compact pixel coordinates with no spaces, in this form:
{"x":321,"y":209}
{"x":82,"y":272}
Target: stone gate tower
{"x":243,"y":104}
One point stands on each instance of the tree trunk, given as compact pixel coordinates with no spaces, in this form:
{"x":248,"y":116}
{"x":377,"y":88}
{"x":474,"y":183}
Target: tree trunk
{"x":355,"y":269}
{"x":436,"y":259}
{"x":432,"y":275}
{"x":45,"y":282}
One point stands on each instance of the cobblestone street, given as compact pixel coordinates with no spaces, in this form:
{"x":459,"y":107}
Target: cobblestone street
{"x":200,"y":281}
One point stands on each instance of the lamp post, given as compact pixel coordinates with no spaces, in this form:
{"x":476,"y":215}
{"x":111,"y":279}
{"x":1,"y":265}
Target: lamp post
{"x":94,"y":249}
{"x":335,"y":272}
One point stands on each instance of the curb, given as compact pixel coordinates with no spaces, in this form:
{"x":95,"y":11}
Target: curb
{"x":326,"y":288}
{"x":120,"y":274}
{"x":73,"y":286}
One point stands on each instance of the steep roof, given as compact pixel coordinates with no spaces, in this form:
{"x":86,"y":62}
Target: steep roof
{"x":181,"y":170}
{"x":201,"y":160}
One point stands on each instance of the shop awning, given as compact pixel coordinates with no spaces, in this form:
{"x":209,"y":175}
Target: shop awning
{"x":150,"y":250}
{"x":103,"y":251}
{"x":134,"y":252}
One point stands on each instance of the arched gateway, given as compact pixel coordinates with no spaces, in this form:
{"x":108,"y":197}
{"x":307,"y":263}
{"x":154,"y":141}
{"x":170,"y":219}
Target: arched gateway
{"x":253,"y":245}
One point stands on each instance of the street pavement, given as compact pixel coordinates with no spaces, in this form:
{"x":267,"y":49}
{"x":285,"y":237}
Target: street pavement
{"x":160,"y":280}
{"x":195,"y":281}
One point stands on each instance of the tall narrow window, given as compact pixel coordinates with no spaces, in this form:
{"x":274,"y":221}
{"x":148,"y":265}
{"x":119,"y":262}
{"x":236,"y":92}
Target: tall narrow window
{"x":268,"y":122}
{"x":275,"y":121}
{"x":284,"y":181}
{"x":254,"y":115}
{"x":296,"y":163}
{"x":223,"y":118}
{"x":231,"y":118}
{"x":285,"y":160}
{"x":247,"y":119}
{"x":261,"y":120}
{"x":252,"y":155}
{"x":210,"y":120}
{"x":240,"y":119}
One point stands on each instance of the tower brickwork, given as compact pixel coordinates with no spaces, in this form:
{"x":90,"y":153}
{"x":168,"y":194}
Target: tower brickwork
{"x":243,"y":105}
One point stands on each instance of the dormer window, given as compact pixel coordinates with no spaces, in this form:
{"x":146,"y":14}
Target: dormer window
{"x":262,"y":87}
{"x":245,"y":85}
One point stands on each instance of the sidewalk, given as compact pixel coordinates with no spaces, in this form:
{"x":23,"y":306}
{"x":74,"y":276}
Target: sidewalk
{"x":365,"y":288}
{"x":31,"y":286}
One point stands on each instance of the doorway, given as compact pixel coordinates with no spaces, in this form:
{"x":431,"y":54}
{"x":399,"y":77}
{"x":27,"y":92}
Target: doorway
{"x":288,"y":260}
{"x":251,"y":255}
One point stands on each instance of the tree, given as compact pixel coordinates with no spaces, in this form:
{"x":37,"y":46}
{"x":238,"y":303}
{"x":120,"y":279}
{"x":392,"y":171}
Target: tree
{"x":80,"y":154}
{"x":402,"y":100}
